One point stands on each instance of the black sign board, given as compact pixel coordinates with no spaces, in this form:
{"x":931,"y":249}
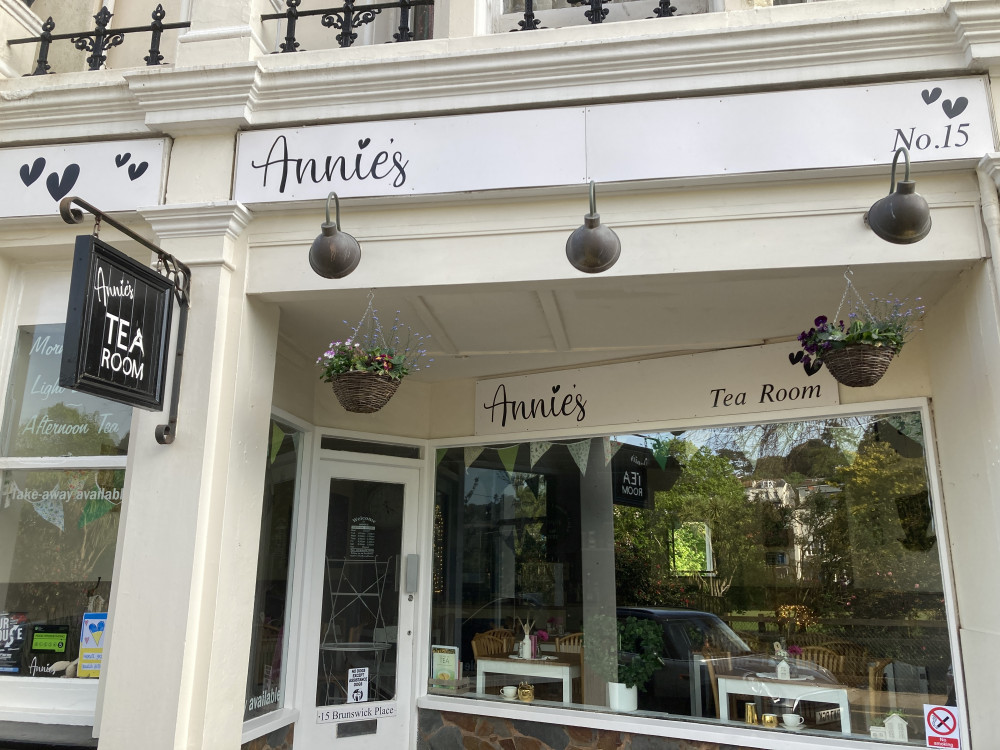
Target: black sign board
{"x":636,"y":476}
{"x":629,"y":480}
{"x":117,"y":327}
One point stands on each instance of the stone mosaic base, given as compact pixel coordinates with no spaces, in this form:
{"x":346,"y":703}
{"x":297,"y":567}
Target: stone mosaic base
{"x":441,"y":730}
{"x":279,"y":739}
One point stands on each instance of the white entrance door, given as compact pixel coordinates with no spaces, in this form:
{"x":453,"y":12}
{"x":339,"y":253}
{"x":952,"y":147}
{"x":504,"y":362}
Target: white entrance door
{"x":357,"y":681}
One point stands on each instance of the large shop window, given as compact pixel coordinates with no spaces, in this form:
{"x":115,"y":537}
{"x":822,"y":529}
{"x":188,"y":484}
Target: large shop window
{"x":729,"y":574}
{"x":266,"y":674}
{"x":61,"y":480}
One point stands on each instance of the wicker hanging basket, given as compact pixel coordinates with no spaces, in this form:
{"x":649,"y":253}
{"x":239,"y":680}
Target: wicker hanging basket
{"x":858,"y":365}
{"x":363,"y":392}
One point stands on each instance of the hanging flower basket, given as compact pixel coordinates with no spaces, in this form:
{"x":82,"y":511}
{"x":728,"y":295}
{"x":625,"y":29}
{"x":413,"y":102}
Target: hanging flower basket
{"x":365,"y":368}
{"x":858,"y":365}
{"x":363,"y":392}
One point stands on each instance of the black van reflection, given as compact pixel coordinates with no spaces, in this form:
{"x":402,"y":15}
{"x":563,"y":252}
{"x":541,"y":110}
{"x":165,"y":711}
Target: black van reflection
{"x":674,"y":687}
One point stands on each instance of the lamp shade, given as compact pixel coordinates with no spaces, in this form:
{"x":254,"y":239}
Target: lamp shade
{"x":593,"y":247}
{"x":334,"y":254}
{"x":903,"y":216}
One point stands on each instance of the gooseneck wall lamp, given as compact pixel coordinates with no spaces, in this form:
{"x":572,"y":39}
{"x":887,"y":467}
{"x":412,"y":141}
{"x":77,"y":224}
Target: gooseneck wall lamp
{"x":903,"y":216}
{"x":334,"y":254}
{"x":593,"y":247}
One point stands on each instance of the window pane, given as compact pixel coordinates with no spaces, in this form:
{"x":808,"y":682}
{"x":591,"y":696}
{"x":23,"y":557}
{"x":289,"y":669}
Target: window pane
{"x":43,"y":419}
{"x":265,"y":678}
{"x":732,"y":553}
{"x":58,"y":531}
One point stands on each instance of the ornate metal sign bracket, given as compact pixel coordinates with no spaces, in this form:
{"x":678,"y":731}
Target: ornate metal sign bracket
{"x":178,"y":274}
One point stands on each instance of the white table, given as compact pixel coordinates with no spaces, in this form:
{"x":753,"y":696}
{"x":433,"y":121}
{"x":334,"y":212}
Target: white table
{"x":563,"y":670}
{"x":808,"y":690}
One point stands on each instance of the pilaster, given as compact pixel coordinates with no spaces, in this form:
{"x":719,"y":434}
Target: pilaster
{"x":182,"y":604}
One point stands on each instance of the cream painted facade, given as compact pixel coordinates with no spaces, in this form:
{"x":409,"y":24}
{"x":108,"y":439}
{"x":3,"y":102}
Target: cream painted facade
{"x":708,"y":263}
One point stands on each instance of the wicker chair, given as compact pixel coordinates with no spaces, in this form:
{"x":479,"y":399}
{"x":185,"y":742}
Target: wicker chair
{"x":484,"y":646}
{"x":507,"y":636}
{"x":571,"y":643}
{"x":826,"y":658}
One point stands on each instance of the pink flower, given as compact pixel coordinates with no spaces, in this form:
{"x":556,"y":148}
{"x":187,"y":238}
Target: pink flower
{"x":794,"y":650}
{"x":543,"y":635}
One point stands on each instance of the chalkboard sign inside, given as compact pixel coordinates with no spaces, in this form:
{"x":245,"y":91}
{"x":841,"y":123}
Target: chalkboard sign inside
{"x":117,"y":327}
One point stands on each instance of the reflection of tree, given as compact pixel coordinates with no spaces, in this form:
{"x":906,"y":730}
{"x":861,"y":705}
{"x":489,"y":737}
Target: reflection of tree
{"x":650,"y":545}
{"x":63,"y":430}
{"x":57,"y":567}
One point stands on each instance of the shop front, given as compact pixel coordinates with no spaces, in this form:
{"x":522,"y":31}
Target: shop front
{"x":613,"y":508}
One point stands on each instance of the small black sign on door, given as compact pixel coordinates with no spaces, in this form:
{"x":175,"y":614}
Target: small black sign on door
{"x":117,"y":327}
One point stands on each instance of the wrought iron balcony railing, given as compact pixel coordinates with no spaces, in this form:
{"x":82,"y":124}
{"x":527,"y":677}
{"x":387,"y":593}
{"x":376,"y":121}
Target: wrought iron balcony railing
{"x":100,"y":39}
{"x":346,"y":19}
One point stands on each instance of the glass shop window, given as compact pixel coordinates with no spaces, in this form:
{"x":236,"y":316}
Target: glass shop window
{"x":785,"y":574}
{"x":266,"y":673}
{"x":58,"y":525}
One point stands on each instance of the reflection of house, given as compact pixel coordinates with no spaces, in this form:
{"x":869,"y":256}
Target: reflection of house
{"x":778,"y":525}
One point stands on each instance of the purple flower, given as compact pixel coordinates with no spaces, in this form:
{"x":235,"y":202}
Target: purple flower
{"x":820,"y":321}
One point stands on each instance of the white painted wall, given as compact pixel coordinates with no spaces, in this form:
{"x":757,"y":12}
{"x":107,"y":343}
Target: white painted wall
{"x":962,"y":337}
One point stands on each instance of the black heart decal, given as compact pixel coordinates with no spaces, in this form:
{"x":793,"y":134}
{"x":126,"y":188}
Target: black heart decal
{"x":59,"y":186}
{"x":135,"y":171}
{"x":795,"y":357}
{"x":555,"y":388}
{"x":931,"y":96}
{"x":364,"y":142}
{"x":954,"y":110}
{"x":122,"y":159}
{"x":28,"y":176}
{"x":813,"y":367}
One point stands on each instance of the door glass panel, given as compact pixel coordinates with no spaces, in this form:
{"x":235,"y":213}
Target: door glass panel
{"x":360,"y":619}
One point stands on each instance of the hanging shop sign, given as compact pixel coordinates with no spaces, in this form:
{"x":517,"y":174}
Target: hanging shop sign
{"x":123,"y":175}
{"x":858,"y":126}
{"x":714,"y":384}
{"x":117,"y":327}
{"x":629,"y":476}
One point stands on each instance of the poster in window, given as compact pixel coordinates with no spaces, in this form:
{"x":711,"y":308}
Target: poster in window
{"x":13,"y":631}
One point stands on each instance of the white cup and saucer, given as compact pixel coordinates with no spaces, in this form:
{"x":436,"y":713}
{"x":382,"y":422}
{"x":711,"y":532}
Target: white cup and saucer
{"x":792,"y":721}
{"x":509,"y":692}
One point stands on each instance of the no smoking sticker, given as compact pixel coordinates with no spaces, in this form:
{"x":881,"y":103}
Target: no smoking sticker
{"x":942,"y":727}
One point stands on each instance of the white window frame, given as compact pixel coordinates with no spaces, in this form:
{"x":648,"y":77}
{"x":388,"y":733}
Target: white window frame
{"x":37,"y":295}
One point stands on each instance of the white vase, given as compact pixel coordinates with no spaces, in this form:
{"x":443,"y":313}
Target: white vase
{"x":621,"y":698}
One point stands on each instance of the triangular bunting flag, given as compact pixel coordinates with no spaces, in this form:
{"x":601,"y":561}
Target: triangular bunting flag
{"x":439,"y":455}
{"x":532,"y":482}
{"x":471,"y":454}
{"x":51,"y":509}
{"x":277,"y":437}
{"x":94,"y":509}
{"x":507,"y":457}
{"x":537,"y":450}
{"x":580,"y":453}
{"x":611,"y":447}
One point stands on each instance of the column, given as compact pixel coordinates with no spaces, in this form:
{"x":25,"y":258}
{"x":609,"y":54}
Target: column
{"x":183,"y":592}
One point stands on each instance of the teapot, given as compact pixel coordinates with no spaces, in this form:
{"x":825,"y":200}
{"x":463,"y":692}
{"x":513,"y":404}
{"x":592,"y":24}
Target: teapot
{"x":526,"y":692}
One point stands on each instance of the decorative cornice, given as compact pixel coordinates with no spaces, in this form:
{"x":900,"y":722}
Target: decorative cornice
{"x":68,"y":107}
{"x":828,"y":44}
{"x":196,"y":100}
{"x":976,"y":22}
{"x":197,"y":220}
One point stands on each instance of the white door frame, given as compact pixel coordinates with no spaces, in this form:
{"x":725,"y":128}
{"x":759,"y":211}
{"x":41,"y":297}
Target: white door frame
{"x":393,"y":730}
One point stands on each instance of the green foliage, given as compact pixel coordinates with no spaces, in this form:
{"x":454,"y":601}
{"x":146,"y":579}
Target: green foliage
{"x":640,"y":644}
{"x":394,"y":353}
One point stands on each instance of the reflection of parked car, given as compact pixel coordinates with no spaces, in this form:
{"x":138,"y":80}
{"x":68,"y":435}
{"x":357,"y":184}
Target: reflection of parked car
{"x":687,"y":632}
